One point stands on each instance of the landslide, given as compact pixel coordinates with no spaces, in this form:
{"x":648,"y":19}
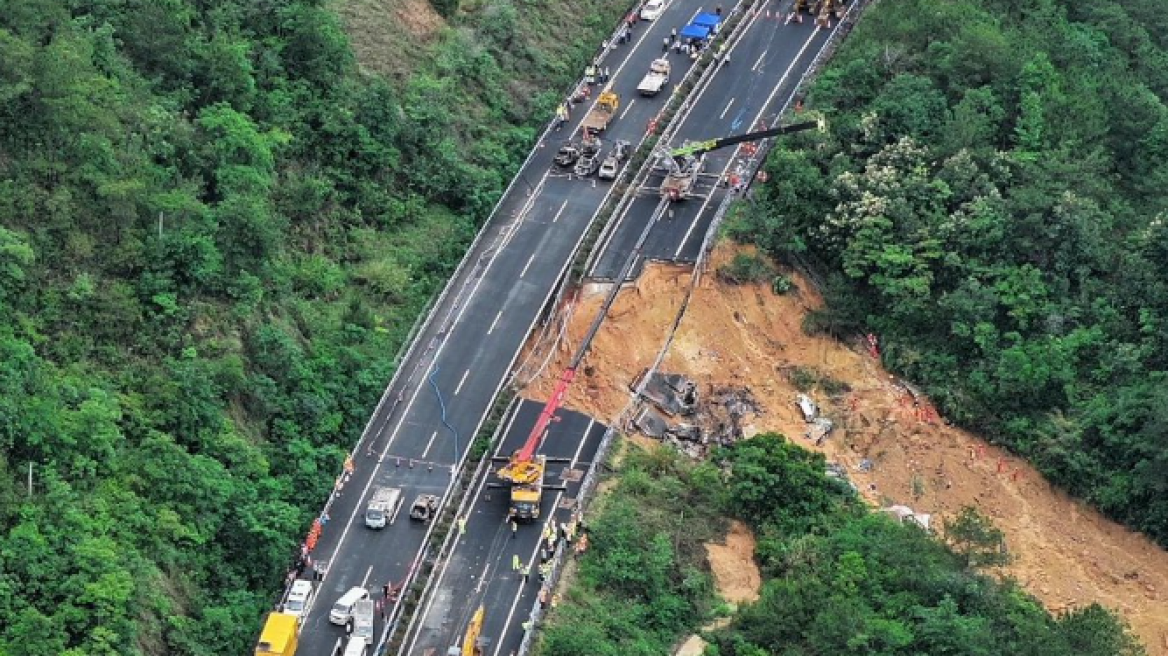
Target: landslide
{"x":744,"y":336}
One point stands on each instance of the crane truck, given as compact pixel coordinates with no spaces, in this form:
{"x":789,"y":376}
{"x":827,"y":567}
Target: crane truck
{"x":683,"y":165}
{"x":473,"y":644}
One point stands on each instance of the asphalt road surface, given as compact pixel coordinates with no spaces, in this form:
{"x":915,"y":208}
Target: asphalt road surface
{"x":764,"y":70}
{"x":463,"y":355}
{"x":480,"y":569}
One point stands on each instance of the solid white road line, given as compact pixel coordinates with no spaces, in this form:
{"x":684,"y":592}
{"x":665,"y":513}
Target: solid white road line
{"x":458,"y":538}
{"x":538,"y":544}
{"x":461,"y":381}
{"x":728,"y":105}
{"x":694,"y":224}
{"x":526,"y":266}
{"x":365,"y":580}
{"x":495,"y":322}
{"x":465,"y":302}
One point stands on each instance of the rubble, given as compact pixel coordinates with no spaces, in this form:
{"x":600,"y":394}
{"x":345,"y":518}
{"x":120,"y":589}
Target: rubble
{"x":674,"y":394}
{"x":906,"y":514}
{"x":807,"y":407}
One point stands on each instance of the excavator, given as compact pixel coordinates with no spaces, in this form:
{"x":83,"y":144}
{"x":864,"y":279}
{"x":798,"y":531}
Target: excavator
{"x":682,"y":166}
{"x":473,"y":644}
{"x":823,"y":10}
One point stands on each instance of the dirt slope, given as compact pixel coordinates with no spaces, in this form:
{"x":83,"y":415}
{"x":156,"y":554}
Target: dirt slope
{"x":1067,"y":555}
{"x":736,"y":575}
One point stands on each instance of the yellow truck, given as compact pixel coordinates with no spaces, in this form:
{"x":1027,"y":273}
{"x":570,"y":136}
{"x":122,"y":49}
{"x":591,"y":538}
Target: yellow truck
{"x":279,"y":635}
{"x":602,"y":114}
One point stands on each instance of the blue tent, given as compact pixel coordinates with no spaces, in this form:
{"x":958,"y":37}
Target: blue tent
{"x":708,"y":20}
{"x":694,"y":32}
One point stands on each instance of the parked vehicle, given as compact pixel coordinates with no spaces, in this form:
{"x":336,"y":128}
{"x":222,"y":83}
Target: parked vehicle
{"x":611,"y":165}
{"x":299,"y":599}
{"x":602,"y":113}
{"x":656,"y":79}
{"x":424,"y":507}
{"x":363,"y":621}
{"x":342,"y":611}
{"x":383,"y":507}
{"x":652,"y":10}
{"x":567,"y":155}
{"x":279,"y":635}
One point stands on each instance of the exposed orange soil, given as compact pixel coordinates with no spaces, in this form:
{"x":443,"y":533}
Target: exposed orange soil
{"x":1066,"y":554}
{"x":736,"y":575}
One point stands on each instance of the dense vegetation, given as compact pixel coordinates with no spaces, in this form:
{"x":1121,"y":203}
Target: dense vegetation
{"x":837,"y":579}
{"x":214,"y":235}
{"x":990,"y":201}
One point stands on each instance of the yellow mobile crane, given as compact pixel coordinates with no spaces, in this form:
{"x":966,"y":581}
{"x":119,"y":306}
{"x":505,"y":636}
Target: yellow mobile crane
{"x":473,"y":644}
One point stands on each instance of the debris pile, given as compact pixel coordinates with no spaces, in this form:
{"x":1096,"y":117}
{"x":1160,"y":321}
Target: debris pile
{"x":906,"y":514}
{"x":718,"y":418}
{"x":818,"y":428}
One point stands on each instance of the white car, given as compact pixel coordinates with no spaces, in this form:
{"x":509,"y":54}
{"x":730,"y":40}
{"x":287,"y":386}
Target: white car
{"x":652,"y":9}
{"x":299,"y":598}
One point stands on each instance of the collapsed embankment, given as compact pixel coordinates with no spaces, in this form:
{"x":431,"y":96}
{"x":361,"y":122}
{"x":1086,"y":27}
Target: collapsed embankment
{"x":744,"y":336}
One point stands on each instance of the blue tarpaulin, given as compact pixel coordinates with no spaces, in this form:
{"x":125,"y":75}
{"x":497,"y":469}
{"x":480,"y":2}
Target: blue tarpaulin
{"x":694,"y":32}
{"x":707,"y":20}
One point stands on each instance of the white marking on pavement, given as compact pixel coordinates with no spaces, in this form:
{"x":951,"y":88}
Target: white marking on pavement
{"x":458,"y":538}
{"x":728,"y":105}
{"x":367,"y":573}
{"x":525,"y":266}
{"x":561,"y":211}
{"x":760,"y":58}
{"x":694,"y":224}
{"x":483,"y":576}
{"x":429,"y":444}
{"x":461,"y":298}
{"x":461,"y":381}
{"x":495,"y":322}
{"x":539,"y":543}
{"x":627,"y":108}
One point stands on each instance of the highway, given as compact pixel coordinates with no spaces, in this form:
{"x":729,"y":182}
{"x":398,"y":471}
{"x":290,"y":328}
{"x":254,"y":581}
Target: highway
{"x":480,"y":569}
{"x":462,"y":355}
{"x":773,"y":57}
{"x":765,"y":67}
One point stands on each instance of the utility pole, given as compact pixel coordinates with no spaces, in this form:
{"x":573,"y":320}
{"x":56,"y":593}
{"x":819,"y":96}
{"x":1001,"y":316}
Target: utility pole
{"x":30,"y":478}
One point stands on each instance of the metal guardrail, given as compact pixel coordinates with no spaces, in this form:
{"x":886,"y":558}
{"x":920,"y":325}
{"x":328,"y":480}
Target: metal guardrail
{"x":425,"y":320}
{"x":756,"y":162}
{"x":591,"y":479}
{"x":392,"y":624}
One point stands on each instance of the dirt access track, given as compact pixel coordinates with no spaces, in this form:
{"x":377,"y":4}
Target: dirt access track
{"x":1066,"y":554}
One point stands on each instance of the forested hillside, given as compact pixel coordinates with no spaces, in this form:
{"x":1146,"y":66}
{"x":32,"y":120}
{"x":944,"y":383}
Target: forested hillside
{"x":990,"y":202}
{"x":214,"y":236}
{"x":837,"y":578}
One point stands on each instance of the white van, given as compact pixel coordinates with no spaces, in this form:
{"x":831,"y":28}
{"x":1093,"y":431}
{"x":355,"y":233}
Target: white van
{"x":343,"y":609}
{"x":363,"y":621}
{"x":356,"y":647}
{"x":299,"y":598}
{"x":383,"y":507}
